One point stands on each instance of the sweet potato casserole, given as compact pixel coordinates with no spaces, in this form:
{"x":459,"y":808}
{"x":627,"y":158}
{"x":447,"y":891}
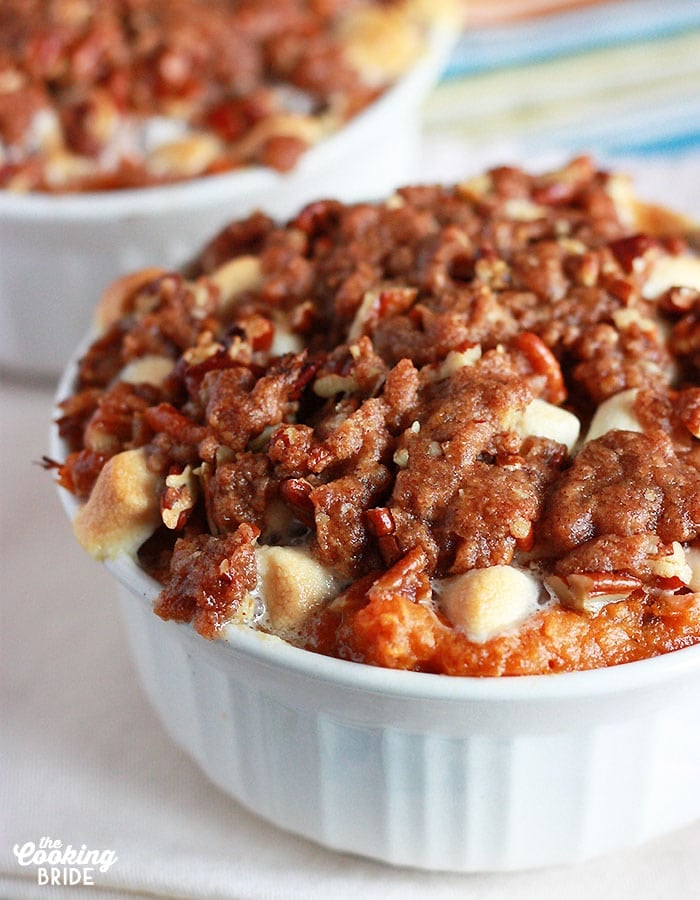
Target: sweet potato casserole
{"x":106,"y":94}
{"x":456,"y":431}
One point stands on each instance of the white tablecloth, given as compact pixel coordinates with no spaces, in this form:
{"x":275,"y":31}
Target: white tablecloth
{"x":85,"y":761}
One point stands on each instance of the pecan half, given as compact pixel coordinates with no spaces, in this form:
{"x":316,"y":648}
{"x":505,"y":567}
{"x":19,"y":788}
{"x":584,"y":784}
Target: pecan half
{"x":380,"y":522}
{"x":591,"y":591}
{"x":543,"y":362}
{"x":296,"y":493}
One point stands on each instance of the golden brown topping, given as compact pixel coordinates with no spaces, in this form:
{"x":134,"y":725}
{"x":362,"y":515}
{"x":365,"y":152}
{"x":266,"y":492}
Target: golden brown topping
{"x":388,"y":398}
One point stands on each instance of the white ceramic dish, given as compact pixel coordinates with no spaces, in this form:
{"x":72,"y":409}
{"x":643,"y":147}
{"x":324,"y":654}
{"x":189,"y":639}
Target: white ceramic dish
{"x":57,"y":253}
{"x":430,"y":771}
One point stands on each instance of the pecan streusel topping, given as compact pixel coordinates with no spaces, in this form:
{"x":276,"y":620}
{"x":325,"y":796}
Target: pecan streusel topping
{"x":456,"y":431}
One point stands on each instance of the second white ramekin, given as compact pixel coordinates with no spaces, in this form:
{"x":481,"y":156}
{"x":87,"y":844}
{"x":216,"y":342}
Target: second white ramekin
{"x":58,"y":253}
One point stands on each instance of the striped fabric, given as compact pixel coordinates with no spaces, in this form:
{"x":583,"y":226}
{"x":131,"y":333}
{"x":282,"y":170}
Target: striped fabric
{"x":609,"y":77}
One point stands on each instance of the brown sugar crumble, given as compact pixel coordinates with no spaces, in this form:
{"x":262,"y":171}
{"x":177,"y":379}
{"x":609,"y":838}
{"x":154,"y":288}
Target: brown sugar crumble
{"x":109,"y":94}
{"x":455,"y":432}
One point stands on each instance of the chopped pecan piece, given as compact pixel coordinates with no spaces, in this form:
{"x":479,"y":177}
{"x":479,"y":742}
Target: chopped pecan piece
{"x":178,"y":497}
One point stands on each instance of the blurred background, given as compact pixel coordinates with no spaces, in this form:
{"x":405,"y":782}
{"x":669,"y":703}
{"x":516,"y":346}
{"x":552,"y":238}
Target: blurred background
{"x":535,"y":78}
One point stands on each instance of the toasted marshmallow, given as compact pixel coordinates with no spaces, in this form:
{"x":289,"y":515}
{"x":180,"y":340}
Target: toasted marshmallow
{"x":123,"y":508}
{"x":291,"y":583}
{"x":114,"y":301}
{"x":485,"y":603}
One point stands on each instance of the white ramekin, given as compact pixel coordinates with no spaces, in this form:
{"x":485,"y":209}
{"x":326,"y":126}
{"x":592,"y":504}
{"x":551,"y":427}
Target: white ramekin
{"x":429,"y":771}
{"x":57,"y":253}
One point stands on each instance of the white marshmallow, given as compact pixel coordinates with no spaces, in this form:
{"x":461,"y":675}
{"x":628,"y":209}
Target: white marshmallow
{"x":672,"y":271}
{"x":615,"y":414}
{"x":487,"y":602}
{"x":542,"y":419}
{"x":291,"y":583}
